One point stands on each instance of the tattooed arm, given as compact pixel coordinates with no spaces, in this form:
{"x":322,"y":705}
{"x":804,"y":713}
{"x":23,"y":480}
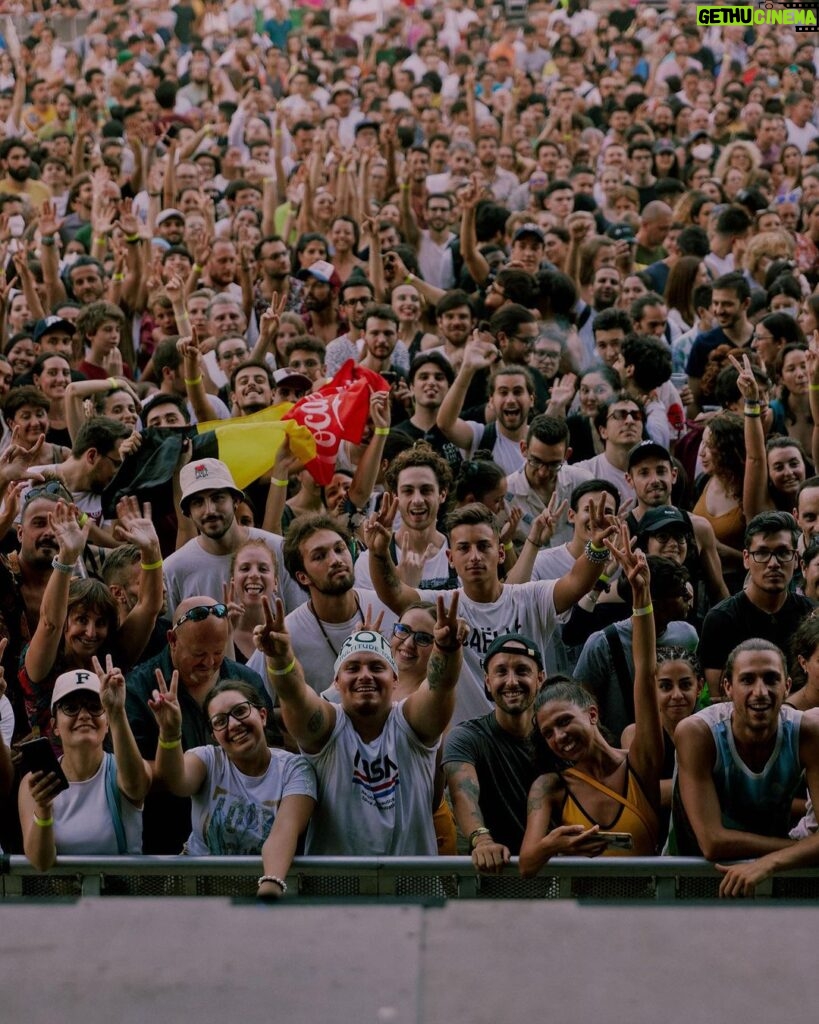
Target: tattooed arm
{"x":465,"y":790}
{"x":309,"y":719}
{"x":430,"y":708}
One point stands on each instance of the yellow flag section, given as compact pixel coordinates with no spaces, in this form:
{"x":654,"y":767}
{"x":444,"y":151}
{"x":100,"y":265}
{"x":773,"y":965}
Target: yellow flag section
{"x":248,"y":445}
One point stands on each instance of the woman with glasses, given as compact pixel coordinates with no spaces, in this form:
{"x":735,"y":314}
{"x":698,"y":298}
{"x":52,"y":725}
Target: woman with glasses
{"x":244,"y":793}
{"x":79,"y":617}
{"x":100,"y":812}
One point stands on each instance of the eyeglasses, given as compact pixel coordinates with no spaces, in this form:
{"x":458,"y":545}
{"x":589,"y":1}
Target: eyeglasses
{"x":402,"y":633}
{"x":545,"y":353}
{"x":528,"y":342}
{"x":538,"y":465}
{"x":72,"y":706}
{"x":240,"y":712}
{"x":54,"y":487}
{"x":763,"y":555}
{"x":116,"y":463}
{"x":625,"y":414}
{"x":200,"y":612}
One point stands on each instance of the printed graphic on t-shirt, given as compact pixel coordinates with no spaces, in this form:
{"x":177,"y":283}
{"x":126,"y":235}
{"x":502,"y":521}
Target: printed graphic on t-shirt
{"x":377,"y":780}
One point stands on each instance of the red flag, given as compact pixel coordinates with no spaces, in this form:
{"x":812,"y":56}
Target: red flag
{"x":337,"y":412}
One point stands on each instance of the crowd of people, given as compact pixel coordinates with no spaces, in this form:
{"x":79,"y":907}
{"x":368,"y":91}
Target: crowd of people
{"x":558,"y":596}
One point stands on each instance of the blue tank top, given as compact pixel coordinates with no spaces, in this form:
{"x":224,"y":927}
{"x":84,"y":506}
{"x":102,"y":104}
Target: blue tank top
{"x":758,"y":802}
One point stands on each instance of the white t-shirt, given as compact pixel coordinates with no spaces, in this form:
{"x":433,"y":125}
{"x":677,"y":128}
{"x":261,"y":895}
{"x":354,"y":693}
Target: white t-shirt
{"x":374,"y":799}
{"x":526,"y":608}
{"x":599,"y":468}
{"x":83,"y":823}
{"x":506,"y":453}
{"x":316,"y":650}
{"x":434,"y":575}
{"x":233,"y":813}
{"x":193,"y":571}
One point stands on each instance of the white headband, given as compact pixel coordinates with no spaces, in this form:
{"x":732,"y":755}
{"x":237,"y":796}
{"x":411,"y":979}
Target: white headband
{"x":365,"y":640}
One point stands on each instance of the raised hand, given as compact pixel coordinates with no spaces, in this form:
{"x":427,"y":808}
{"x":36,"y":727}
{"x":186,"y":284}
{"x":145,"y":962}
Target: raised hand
{"x":373,"y":623}
{"x":746,"y":381}
{"x":48,"y":222}
{"x":380,"y":409}
{"x":510,"y":527}
{"x":378,"y":527}
{"x":235,"y":609}
{"x":112,"y":686}
{"x":449,"y":631}
{"x":563,"y":390}
{"x":410,"y":567}
{"x":135,"y":525}
{"x":70,"y":536}
{"x":543,"y":526}
{"x":165,"y":707}
{"x":272,"y":638}
{"x":602,"y":525}
{"x":16,"y":460}
{"x":632,"y":562}
{"x":112,"y":363}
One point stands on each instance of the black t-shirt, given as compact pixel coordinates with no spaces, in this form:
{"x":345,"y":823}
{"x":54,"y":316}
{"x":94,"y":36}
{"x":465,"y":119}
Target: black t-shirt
{"x":506,"y":768}
{"x":736,"y":619}
{"x":435,"y":438}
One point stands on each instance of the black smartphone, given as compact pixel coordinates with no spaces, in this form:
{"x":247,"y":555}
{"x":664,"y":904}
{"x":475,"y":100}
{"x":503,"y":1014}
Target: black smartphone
{"x":390,"y":376}
{"x":38,"y":756}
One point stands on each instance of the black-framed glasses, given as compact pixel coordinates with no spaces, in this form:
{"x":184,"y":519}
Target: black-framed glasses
{"x":538,"y":465}
{"x":621,"y":415}
{"x":116,"y":463}
{"x":529,"y":342}
{"x":53,"y":487}
{"x":200,"y":612}
{"x":72,"y":706}
{"x":240,"y":712}
{"x":421,"y":638}
{"x":763,"y":555}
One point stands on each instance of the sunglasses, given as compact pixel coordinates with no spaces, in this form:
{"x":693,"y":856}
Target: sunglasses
{"x":53,"y":487}
{"x":402,"y":633}
{"x":72,"y":706}
{"x":200,"y":612}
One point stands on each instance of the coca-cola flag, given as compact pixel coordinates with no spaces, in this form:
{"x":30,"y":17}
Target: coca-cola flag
{"x":337,"y":412}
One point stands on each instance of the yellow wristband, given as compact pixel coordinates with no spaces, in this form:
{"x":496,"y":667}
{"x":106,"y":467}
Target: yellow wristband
{"x":43,"y":822}
{"x":508,"y":546}
{"x":594,"y":547}
{"x":132,"y":238}
{"x":381,"y":431}
{"x":117,"y":277}
{"x":195,"y":381}
{"x":637,"y":612}
{"x":281,"y":671}
{"x":409,"y":279}
{"x":278,"y":483}
{"x":170,"y":744}
{"x":813,"y":387}
{"x":147,"y":567}
{"x":198,"y":268}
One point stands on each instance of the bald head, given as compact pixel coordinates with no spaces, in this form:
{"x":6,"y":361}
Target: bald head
{"x":197,"y":643}
{"x":655,"y":223}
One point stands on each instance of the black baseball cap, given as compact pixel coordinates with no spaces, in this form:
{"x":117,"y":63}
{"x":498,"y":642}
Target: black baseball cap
{"x":647,"y":450}
{"x":513,"y":643}
{"x":666,"y":517}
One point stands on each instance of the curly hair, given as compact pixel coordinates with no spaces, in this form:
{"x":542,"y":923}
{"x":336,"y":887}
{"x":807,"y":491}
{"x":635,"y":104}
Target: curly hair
{"x":728,"y":448}
{"x":423,"y":455}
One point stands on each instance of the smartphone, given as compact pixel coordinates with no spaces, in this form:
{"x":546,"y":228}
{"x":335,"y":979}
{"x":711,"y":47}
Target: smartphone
{"x":38,"y":756}
{"x":619,"y":840}
{"x":390,"y":376}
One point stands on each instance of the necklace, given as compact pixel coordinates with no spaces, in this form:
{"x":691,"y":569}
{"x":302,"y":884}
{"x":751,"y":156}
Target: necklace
{"x":321,"y":624}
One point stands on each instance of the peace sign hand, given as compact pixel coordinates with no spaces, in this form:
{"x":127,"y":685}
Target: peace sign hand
{"x":378,"y":528}
{"x":272,"y":638}
{"x":165,"y":707}
{"x":450,"y":632}
{"x":112,"y":686}
{"x":602,"y":526}
{"x":746,"y":381}
{"x":633,"y":564}
{"x":370,"y":623}
{"x":543,"y":526}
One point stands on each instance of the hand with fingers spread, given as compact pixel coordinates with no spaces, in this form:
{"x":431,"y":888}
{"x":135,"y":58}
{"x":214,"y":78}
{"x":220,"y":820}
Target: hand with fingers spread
{"x":112,"y":686}
{"x":449,"y":632}
{"x":165,"y":707}
{"x":16,"y":460}
{"x":136,"y":526}
{"x":563,"y":390}
{"x":373,"y":623}
{"x":510,"y":527}
{"x":70,"y":536}
{"x":378,"y":527}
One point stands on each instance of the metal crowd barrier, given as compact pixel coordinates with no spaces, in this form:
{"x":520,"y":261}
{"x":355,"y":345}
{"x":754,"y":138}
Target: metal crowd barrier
{"x":649,"y":879}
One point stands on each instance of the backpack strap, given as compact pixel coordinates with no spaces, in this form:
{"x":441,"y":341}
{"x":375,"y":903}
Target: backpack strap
{"x":618,"y":656}
{"x":113,"y":798}
{"x":488,"y":437}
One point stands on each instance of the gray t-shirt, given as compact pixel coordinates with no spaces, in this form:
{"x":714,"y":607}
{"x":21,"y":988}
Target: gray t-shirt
{"x":191,"y":570}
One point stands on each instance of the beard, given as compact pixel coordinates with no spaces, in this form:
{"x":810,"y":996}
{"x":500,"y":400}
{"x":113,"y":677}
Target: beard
{"x":19,"y":174}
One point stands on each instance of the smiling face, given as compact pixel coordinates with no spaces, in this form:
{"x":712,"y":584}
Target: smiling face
{"x":239,"y":737}
{"x":757,"y":687}
{"x":513,"y":680}
{"x":652,"y":479}
{"x":86,"y":630}
{"x":54,"y":377}
{"x":794,"y":372}
{"x":31,"y":422}
{"x":365,"y":682}
{"x":251,"y":390}
{"x":677,"y":690}
{"x":786,"y":470}
{"x":254,"y":575}
{"x":419,"y":497}
{"x":410,"y":656}
{"x":511,"y":401}
{"x":568,"y":729}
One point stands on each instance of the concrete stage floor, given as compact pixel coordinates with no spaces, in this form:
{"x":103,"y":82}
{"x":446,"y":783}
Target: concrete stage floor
{"x":168,"y":961}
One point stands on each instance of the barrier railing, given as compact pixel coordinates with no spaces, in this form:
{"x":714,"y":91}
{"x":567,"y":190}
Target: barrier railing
{"x":622,"y":879}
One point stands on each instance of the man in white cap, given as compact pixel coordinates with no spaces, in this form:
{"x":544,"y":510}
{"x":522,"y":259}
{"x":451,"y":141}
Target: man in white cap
{"x":202,"y":566}
{"x":375,"y":760}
